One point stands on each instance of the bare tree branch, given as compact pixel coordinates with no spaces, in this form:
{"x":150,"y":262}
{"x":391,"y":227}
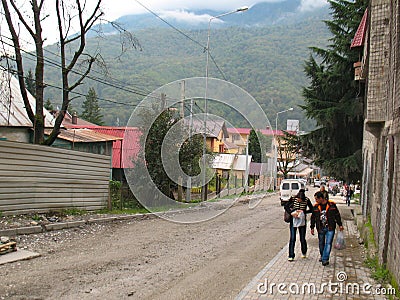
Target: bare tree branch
{"x":18,"y":60}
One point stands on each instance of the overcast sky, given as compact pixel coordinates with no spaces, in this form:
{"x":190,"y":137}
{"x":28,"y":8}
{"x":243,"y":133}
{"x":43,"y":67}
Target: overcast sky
{"x":117,"y":8}
{"x":177,"y":9}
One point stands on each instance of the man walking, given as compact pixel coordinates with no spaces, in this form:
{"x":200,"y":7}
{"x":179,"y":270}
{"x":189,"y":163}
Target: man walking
{"x":325,"y":216}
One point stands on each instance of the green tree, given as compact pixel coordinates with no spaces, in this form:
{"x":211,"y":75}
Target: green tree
{"x":256,"y":140}
{"x":189,"y":151}
{"x":333,"y":99}
{"x":30,"y":83}
{"x":48,"y":105}
{"x":91,"y":109}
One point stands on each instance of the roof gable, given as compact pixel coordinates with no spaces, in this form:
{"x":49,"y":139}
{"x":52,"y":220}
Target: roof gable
{"x":12,"y":107}
{"x":359,"y":37}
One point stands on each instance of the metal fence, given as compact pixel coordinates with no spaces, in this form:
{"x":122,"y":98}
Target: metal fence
{"x":36,"y":178}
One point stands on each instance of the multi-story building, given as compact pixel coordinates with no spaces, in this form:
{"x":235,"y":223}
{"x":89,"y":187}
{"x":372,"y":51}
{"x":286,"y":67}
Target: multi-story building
{"x":379,"y":68}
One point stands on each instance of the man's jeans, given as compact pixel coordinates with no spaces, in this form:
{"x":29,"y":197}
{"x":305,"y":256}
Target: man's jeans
{"x":292,"y":242}
{"x":325,"y":238}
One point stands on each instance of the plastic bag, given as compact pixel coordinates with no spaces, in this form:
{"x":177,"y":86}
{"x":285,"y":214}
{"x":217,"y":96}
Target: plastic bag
{"x":300,"y":220}
{"x":340,"y":243}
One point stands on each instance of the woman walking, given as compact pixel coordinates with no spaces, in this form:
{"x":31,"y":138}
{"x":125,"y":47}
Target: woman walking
{"x":297,"y":208}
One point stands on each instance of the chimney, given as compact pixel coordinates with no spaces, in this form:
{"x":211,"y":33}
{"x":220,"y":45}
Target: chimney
{"x":74,"y":118}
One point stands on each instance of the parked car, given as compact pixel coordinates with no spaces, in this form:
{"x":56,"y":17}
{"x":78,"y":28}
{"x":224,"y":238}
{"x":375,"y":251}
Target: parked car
{"x":333,"y":187}
{"x":317,"y":183}
{"x":289,"y":188}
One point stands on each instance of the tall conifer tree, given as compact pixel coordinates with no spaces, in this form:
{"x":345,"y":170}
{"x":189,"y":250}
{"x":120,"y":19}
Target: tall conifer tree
{"x":91,"y":109}
{"x":334,"y":99}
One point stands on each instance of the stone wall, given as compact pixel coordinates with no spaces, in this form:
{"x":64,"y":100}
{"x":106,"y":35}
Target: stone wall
{"x":381,"y":151}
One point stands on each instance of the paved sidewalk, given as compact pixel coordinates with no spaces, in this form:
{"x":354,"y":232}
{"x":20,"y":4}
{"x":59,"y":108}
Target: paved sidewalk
{"x":346,"y":272}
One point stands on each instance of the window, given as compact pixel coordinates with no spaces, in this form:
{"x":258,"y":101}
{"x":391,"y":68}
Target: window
{"x":295,"y":186}
{"x":285,"y":186}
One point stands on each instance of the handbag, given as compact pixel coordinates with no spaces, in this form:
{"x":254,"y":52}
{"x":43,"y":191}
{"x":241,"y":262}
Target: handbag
{"x":340,"y":243}
{"x":286,"y":217}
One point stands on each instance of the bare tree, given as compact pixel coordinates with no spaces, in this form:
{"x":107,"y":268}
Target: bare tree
{"x":288,"y":152}
{"x":68,"y":12}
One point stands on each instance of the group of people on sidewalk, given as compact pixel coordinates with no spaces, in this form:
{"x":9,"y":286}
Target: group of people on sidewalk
{"x":325,"y":217}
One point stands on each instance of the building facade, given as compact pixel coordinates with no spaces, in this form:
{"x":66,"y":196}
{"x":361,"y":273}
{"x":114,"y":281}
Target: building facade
{"x":380,"y":67}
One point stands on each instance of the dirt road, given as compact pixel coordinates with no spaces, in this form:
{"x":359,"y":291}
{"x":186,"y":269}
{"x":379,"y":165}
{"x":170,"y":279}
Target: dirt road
{"x":150,"y":259}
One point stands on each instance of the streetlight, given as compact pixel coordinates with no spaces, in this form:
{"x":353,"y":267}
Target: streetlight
{"x":276,"y":146}
{"x":207,"y":49}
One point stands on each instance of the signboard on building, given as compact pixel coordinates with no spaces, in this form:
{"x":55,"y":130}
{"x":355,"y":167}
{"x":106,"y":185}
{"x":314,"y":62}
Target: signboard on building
{"x":293,"y":125}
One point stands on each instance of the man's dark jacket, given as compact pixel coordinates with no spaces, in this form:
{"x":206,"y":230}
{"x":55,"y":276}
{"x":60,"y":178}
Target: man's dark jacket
{"x":332,"y":215}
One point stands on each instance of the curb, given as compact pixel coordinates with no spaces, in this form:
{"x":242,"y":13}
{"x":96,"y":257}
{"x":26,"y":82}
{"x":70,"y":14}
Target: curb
{"x":73,"y":224}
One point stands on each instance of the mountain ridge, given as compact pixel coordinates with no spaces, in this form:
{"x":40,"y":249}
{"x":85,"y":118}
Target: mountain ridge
{"x":266,"y":61}
{"x":261,"y":14}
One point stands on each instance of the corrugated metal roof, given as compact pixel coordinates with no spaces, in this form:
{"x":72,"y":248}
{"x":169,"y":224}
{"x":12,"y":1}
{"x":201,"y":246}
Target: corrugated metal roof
{"x":83,"y":135}
{"x":67,"y":121}
{"x":359,"y":37}
{"x":12,"y":107}
{"x":227,"y":161}
{"x":223,"y":161}
{"x":213,"y":127}
{"x":130,"y":143}
{"x":246,"y":131}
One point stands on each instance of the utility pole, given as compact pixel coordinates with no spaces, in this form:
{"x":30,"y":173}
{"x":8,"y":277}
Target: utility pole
{"x":189,"y":179}
{"x":163,"y":101}
{"x":182,"y":115}
{"x":182,"y":99}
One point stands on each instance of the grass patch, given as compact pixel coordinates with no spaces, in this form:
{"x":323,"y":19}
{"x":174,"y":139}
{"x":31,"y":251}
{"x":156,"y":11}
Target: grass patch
{"x":36,"y":217}
{"x":370,"y":240}
{"x":379,"y":272}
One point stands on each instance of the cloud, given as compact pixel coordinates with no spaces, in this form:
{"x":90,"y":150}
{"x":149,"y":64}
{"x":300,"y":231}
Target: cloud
{"x":308,"y":5}
{"x":117,"y":8}
{"x":188,"y":17}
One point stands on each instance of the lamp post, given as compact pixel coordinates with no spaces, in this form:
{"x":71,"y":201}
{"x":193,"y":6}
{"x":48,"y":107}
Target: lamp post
{"x":207,"y":49}
{"x":276,"y":146}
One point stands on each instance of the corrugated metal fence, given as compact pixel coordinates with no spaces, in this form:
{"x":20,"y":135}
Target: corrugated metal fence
{"x":36,"y":178}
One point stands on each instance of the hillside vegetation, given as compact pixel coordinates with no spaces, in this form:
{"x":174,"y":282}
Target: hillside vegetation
{"x":265,"y":61}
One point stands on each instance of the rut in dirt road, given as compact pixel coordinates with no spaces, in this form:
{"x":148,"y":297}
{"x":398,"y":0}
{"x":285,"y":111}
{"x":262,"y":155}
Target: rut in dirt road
{"x":151,"y":259}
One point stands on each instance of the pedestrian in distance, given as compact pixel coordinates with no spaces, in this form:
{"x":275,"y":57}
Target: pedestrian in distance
{"x":324,"y":191}
{"x":348,"y":194}
{"x":325,"y":216}
{"x":298,"y":207}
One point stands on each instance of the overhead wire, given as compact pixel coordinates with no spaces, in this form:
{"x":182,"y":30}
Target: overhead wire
{"x":123,"y":88}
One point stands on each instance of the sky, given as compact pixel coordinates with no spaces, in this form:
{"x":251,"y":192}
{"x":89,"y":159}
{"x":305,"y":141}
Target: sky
{"x":177,"y":9}
{"x":117,"y":8}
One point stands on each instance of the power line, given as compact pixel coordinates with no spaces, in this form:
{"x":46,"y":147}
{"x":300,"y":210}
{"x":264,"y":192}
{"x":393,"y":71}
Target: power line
{"x":185,"y":35}
{"x":97,"y":79}
{"x":170,"y":25}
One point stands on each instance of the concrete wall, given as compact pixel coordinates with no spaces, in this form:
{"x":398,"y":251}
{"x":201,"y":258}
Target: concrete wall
{"x":36,"y":178}
{"x":381,"y":153}
{"x":17,"y":134}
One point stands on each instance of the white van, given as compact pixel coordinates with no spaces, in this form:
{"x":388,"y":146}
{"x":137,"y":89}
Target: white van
{"x":289,"y":188}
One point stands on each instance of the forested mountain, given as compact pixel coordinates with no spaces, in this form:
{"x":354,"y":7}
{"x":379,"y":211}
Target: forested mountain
{"x":267,"y":61}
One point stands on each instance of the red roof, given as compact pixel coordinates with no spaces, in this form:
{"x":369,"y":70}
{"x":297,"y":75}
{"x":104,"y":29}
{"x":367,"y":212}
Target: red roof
{"x":246,"y":131}
{"x":359,"y":37}
{"x":130,"y":143}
